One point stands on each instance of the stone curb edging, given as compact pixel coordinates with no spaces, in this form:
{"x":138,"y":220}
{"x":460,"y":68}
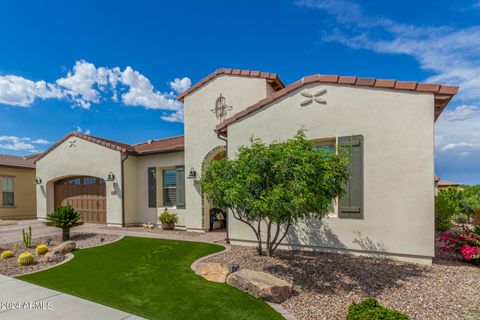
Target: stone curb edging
{"x":199,"y":260}
{"x":69,"y":256}
{"x":275,"y":306}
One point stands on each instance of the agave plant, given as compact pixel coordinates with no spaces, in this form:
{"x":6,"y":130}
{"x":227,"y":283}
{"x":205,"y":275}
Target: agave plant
{"x":64,"y":217}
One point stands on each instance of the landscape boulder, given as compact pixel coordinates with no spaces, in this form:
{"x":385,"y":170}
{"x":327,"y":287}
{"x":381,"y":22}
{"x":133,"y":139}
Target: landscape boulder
{"x":261,"y":285}
{"x":65,"y":247}
{"x":54,"y":256}
{"x":212,"y":271}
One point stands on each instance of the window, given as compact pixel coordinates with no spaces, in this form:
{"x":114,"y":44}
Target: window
{"x":169,"y":188}
{"x":327,"y":145}
{"x":89,"y":180}
{"x":7,"y":192}
{"x":75,"y":181}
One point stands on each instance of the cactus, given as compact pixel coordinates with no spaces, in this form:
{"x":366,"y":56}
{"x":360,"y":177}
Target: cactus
{"x":25,"y":259}
{"x":6,"y":254}
{"x":27,"y":237}
{"x":41,"y":249}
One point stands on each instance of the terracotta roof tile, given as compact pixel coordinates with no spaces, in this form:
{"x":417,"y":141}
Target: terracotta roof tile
{"x":443,"y":94}
{"x":18,"y":161}
{"x":277,"y":83}
{"x":161,"y":145}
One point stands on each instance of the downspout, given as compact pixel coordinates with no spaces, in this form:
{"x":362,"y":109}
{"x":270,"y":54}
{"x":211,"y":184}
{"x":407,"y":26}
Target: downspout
{"x":122,"y":168}
{"x":219,"y":136}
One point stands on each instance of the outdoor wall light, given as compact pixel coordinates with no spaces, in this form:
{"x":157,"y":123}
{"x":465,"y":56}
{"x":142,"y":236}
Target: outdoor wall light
{"x":110,"y":176}
{"x":192,"y":174}
{"x":38,"y":180}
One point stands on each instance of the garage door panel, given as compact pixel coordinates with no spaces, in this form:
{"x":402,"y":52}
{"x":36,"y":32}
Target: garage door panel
{"x":85,"y":194}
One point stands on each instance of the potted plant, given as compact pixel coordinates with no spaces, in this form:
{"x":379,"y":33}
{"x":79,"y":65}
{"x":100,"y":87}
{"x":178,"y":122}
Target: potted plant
{"x":168,"y":220}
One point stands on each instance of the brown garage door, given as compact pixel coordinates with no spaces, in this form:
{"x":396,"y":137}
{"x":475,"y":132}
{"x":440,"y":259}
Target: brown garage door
{"x":85,"y":194}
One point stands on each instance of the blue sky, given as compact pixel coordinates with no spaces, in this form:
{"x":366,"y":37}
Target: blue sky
{"x":113,"y":68}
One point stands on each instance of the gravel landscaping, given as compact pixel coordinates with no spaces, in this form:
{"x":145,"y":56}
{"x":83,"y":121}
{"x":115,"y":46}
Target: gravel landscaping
{"x":10,"y":267}
{"x":325,"y":283}
{"x":158,"y":230}
{"x":7,"y":222}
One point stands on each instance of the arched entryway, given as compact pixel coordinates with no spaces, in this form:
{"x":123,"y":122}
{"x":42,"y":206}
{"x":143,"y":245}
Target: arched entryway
{"x":86,"y":194}
{"x":213,"y":218}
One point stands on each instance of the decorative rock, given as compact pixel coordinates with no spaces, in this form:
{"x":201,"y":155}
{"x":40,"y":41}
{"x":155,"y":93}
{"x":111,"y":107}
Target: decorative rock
{"x":54,"y":256}
{"x":261,"y":285}
{"x":212,"y":271}
{"x":65,"y":247}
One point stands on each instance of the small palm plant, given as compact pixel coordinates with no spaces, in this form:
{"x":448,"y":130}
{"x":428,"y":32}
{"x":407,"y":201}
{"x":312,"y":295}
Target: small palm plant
{"x":64,"y":217}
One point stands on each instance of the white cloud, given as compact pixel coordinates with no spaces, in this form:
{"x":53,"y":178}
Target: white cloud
{"x":17,"y":143}
{"x":87,"y":84}
{"x":41,"y":141}
{"x":80,"y":130}
{"x":461,"y":113}
{"x":460,"y":145}
{"x":176,"y":116}
{"x":18,"y":91}
{"x":180,"y":85}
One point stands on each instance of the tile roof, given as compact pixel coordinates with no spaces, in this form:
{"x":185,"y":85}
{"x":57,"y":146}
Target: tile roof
{"x":444,"y":183}
{"x":18,"y":161}
{"x":443,"y":94}
{"x":159,"y":146}
{"x":272,"y":78}
{"x":149,"y":147}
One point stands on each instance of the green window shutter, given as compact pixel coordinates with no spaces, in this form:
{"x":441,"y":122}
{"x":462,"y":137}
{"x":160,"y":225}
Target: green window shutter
{"x":180,"y":187}
{"x":152,"y":187}
{"x":351,"y":204}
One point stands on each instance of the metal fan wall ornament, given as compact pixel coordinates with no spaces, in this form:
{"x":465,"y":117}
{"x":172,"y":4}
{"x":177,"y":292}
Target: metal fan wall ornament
{"x":311,"y":97}
{"x":221,"y":108}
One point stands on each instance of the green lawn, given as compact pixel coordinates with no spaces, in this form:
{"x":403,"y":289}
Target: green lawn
{"x":151,"y":278}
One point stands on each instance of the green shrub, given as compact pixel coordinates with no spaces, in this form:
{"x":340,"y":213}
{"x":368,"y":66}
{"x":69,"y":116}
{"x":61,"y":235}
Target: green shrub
{"x":460,"y":218}
{"x":7,"y":254}
{"x":444,"y":210}
{"x":167,"y":217}
{"x":25,"y":259}
{"x":41,"y":249}
{"x":370,"y":309}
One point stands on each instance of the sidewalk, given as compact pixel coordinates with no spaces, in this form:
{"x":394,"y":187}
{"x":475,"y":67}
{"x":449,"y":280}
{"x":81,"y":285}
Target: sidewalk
{"x":35,"y":302}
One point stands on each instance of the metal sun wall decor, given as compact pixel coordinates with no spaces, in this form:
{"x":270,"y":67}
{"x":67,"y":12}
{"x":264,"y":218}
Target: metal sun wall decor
{"x":221,"y":108}
{"x":310,"y":97}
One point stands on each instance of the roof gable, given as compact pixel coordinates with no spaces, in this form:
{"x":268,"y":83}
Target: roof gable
{"x":149,"y":147}
{"x":272,"y":78}
{"x":443,"y":94}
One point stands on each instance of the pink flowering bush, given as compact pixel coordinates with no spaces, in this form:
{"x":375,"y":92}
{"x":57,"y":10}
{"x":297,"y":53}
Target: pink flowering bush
{"x":466,"y":242}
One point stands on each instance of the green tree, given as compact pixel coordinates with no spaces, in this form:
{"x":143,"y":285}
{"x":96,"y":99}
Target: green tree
{"x":64,"y":217}
{"x":276,"y":185}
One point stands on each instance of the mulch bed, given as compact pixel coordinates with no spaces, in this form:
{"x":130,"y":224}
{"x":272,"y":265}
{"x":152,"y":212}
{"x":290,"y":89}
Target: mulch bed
{"x":10,"y":267}
{"x":325,"y":283}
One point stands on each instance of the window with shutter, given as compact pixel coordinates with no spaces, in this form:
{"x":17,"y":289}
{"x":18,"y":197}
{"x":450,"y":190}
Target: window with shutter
{"x":152,"y":187}
{"x":169,"y":187}
{"x":7,"y":192}
{"x":180,"y":187}
{"x":351,"y":204}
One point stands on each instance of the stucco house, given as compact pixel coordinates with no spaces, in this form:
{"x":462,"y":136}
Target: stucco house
{"x":17,"y":188}
{"x":389,"y":207}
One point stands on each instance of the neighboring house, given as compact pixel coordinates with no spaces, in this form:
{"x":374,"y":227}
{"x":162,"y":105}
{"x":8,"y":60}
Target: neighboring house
{"x":443,"y":184}
{"x":17,"y":188}
{"x":389,"y":206}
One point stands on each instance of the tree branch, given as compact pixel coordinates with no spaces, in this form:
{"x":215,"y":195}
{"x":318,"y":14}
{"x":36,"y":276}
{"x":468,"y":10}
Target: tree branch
{"x":283,"y":237}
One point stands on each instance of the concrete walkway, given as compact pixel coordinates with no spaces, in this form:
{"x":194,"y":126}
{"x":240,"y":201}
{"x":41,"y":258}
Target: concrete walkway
{"x":12,"y":233}
{"x":21,"y":300}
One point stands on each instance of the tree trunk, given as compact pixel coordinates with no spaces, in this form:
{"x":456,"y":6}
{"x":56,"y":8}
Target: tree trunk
{"x":65,"y":234}
{"x":259,"y":239}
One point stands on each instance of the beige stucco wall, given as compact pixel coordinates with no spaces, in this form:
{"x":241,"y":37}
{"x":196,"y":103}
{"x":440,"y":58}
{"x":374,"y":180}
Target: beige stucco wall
{"x":398,"y":130}
{"x":24,"y":193}
{"x":131,"y":189}
{"x":84,"y":158}
{"x":143,"y":213}
{"x":200,"y":122}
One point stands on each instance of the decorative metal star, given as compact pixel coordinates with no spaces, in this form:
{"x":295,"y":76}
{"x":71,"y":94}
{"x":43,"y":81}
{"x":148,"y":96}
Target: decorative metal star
{"x":313,"y":97}
{"x":72,"y":143}
{"x":221,"y":108}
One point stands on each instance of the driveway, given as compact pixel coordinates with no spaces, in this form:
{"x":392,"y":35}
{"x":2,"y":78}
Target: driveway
{"x":13,"y":233}
{"x":21,"y":300}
